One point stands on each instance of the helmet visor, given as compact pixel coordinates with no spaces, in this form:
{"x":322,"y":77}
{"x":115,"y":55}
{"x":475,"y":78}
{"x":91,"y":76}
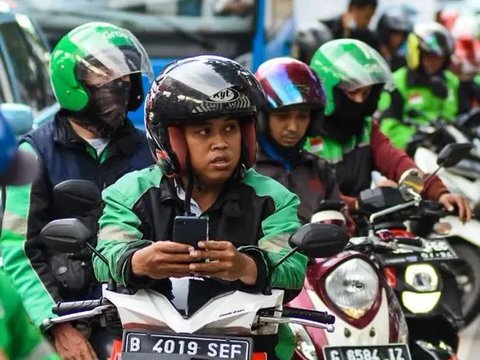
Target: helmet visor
{"x":290,"y":86}
{"x":354,"y":64}
{"x":106,"y":56}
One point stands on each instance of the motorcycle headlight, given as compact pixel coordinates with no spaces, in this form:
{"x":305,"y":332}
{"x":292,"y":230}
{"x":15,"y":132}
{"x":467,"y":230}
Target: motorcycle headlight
{"x":422,"y":277}
{"x":353,"y":287}
{"x":303,"y":342}
{"x":425,"y":280}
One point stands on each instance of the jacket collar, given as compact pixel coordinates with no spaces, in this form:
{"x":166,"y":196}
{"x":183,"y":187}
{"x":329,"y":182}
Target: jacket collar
{"x":127,"y":140}
{"x":267,"y":155}
{"x":415,"y":78}
{"x":228,"y":201}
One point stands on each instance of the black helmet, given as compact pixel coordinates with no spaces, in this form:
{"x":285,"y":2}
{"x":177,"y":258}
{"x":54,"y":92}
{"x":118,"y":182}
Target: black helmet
{"x":308,"y":38}
{"x":197,"y":89}
{"x":394,"y":20}
{"x":431,"y":38}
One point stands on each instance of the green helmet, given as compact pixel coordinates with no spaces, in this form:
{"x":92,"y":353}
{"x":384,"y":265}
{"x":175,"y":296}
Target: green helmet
{"x":101,"y":49}
{"x":349,"y":64}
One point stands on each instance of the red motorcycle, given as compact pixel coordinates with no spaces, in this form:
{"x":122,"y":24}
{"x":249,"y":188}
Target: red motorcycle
{"x":369,"y":319}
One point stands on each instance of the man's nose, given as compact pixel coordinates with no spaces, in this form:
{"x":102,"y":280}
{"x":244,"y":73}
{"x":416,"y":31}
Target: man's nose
{"x":292,"y":125}
{"x":218,"y":141}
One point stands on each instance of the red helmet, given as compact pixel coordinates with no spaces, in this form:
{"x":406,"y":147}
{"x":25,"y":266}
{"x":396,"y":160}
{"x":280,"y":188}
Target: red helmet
{"x":466,"y":61}
{"x":447,"y":17}
{"x":288,"y":82}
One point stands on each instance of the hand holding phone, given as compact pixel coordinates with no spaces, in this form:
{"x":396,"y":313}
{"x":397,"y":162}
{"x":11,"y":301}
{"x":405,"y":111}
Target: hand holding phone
{"x":189,"y":230}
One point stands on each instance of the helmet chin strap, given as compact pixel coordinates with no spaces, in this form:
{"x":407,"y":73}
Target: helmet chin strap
{"x":189,"y":187}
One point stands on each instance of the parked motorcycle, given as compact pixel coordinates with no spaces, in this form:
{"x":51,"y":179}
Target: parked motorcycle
{"x":354,"y":286}
{"x":369,"y":320}
{"x":464,"y":179}
{"x":201,"y":318}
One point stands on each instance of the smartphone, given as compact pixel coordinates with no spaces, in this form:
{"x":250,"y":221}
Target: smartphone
{"x":190,"y":230}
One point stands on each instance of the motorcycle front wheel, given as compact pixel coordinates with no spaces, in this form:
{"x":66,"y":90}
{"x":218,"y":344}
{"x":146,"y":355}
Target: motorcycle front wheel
{"x":467,"y":275}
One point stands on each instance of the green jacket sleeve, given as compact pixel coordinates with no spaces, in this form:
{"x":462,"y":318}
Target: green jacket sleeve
{"x":277,"y":228}
{"x":117,"y":236}
{"x":391,"y":108}
{"x":19,"y":338}
{"x":23,"y":251}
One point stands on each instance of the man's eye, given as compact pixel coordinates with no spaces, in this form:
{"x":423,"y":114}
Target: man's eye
{"x":231,"y":127}
{"x":204,"y":131}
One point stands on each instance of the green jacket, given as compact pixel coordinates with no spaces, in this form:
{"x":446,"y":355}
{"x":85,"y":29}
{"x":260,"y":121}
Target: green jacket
{"x":411,"y":94}
{"x":254,"y":212}
{"x":19,"y":338}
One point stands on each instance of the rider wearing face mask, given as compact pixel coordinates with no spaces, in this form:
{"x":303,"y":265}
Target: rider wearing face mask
{"x":354,"y":75}
{"x":96,"y":75}
{"x":426,"y":89}
{"x":296,"y":103}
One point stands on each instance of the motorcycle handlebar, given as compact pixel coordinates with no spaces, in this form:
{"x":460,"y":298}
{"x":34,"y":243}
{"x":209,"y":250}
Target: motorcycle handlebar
{"x":69,"y":307}
{"x":316,"y":316}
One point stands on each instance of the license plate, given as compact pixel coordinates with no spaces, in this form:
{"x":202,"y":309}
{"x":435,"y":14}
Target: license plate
{"x":187,"y":346}
{"x":434,"y":250}
{"x":378,"y":352}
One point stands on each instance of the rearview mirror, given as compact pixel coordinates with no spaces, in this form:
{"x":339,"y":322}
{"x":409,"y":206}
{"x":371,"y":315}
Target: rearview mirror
{"x":452,"y":154}
{"x":411,"y":180}
{"x":66,"y":235}
{"x":331,"y":204}
{"x":76,"y":197}
{"x":18,"y":116}
{"x":317,"y":240}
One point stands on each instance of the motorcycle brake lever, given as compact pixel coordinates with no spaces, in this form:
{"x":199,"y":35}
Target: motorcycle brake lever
{"x":286,"y":320}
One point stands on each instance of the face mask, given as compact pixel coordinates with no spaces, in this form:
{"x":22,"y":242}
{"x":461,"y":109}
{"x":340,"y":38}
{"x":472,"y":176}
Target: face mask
{"x":107,"y":108}
{"x":349,"y":117}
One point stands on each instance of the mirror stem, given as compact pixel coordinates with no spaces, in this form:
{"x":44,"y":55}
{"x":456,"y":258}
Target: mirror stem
{"x":268,"y":289}
{"x":430,"y":177}
{"x":279,"y":262}
{"x":95,"y":251}
{"x":112,"y":285}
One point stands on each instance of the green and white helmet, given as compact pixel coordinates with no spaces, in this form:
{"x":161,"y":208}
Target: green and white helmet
{"x":349,"y":65}
{"x":106,"y":50}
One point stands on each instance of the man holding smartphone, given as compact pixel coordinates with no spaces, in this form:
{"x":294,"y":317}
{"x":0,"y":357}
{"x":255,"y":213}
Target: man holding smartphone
{"x":200,"y":117}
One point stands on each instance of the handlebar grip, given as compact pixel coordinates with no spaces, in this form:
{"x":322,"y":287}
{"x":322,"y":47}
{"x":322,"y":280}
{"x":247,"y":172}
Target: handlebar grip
{"x":411,"y":241}
{"x":68,"y":307}
{"x":317,"y":316}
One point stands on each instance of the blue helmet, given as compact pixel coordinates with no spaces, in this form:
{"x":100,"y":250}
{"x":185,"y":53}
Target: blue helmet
{"x":16,"y":167}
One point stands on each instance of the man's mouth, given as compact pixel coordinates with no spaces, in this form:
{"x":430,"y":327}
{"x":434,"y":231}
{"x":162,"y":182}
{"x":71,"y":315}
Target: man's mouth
{"x":221,"y":162}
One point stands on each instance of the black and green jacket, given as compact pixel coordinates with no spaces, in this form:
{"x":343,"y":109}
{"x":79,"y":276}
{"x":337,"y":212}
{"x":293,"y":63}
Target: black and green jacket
{"x":62,"y":155}
{"x":254,"y":212}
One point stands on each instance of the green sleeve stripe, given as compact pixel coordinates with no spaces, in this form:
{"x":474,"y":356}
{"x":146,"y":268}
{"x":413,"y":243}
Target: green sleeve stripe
{"x":35,"y":296}
{"x":119,"y":224}
{"x":15,"y":224}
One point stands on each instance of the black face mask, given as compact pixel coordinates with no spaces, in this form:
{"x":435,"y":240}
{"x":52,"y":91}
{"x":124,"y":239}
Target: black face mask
{"x":107,"y":108}
{"x":348,"y":120}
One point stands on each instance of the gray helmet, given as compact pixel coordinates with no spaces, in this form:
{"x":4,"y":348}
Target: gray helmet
{"x":308,"y":38}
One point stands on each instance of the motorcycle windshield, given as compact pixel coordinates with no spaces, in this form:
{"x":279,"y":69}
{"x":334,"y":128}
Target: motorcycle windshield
{"x":190,"y":294}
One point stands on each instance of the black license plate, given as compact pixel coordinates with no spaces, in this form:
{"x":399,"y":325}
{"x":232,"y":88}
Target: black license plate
{"x":180,"y":346}
{"x":434,"y":250}
{"x":378,"y":352}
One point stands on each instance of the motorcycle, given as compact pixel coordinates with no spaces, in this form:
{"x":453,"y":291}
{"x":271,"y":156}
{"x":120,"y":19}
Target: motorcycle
{"x":369,"y":319}
{"x":366,"y":303}
{"x":199,"y":317}
{"x":422,"y":276}
{"x":464,"y":179}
